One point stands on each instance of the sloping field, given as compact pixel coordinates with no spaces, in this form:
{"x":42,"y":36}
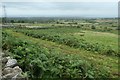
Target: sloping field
{"x":100,"y":42}
{"x":104,"y":38}
{"x":101,"y":62}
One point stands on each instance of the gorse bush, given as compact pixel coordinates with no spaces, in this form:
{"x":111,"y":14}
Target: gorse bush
{"x":40,"y":62}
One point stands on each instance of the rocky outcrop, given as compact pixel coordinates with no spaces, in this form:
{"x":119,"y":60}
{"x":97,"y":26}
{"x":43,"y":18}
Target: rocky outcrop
{"x":11,"y":63}
{"x":10,"y":69}
{"x":12,"y":73}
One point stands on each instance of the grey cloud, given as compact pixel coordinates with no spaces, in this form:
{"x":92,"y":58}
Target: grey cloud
{"x":63,"y":8}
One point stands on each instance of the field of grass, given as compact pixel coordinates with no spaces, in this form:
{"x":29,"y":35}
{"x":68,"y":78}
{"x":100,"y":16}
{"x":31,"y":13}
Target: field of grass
{"x":104,"y":38}
{"x":64,"y":49}
{"x":101,"y":42}
{"x":101,"y":62}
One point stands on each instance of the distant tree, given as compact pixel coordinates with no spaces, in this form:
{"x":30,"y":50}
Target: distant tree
{"x":12,"y":21}
{"x":22,"y":21}
{"x":75,"y":23}
{"x":93,"y":27}
{"x":114,"y":25}
{"x":4,"y":20}
{"x":57,"y":22}
{"x":82,"y":25}
{"x":78,"y":26}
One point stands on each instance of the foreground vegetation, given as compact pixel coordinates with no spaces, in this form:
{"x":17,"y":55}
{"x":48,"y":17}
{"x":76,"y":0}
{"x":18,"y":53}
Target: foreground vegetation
{"x":49,"y":63}
{"x":69,"y":48}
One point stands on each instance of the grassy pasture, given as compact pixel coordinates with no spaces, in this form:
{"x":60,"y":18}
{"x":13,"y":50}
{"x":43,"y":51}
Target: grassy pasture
{"x":81,"y":48}
{"x":100,"y":62}
{"x":101,"y":39}
{"x":104,"y":38}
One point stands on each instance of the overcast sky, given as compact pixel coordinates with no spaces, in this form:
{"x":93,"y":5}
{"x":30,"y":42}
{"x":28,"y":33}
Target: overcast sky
{"x":73,"y":8}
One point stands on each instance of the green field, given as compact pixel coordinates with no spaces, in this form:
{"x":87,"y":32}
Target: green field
{"x":61,"y":51}
{"x":77,"y":38}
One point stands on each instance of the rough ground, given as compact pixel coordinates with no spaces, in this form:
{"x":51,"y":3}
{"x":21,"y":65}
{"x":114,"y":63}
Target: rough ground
{"x":110,"y":62}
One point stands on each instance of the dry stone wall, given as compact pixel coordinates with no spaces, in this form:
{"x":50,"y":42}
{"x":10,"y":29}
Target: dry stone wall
{"x":10,"y":69}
